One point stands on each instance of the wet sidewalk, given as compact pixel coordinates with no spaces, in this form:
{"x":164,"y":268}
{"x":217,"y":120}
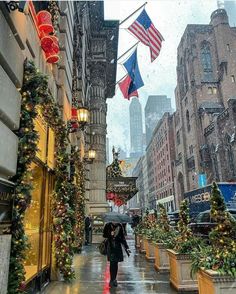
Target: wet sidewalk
{"x":135,"y":276}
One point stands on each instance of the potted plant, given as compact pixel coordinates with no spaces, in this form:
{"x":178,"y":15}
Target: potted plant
{"x":216,"y":263}
{"x":163,"y":239}
{"x":180,"y":258}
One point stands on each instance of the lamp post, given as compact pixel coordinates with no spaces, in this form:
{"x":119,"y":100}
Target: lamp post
{"x":82,"y":116}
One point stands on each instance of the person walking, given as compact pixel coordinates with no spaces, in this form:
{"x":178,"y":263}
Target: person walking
{"x":114,"y":233}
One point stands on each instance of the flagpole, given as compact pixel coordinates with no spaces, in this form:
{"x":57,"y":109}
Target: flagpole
{"x":127,"y":51}
{"x":132,"y":14}
{"x":121,"y":79}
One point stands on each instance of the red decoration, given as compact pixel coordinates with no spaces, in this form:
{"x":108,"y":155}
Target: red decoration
{"x":46,"y":42}
{"x":73,"y":113}
{"x":44,"y":19}
{"x":52,"y":57}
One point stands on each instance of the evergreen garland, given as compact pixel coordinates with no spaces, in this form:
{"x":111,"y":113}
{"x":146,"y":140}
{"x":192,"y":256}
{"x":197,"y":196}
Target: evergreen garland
{"x":35,"y":93}
{"x":27,"y":148}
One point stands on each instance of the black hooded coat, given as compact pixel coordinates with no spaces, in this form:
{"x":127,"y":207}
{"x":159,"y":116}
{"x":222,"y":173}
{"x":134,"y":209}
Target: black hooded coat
{"x":114,"y":244}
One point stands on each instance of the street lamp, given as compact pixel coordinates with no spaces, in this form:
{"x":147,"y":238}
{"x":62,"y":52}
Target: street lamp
{"x":82,"y":116}
{"x":92,"y":154}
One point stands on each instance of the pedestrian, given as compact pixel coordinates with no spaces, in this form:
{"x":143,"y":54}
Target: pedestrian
{"x":87,"y":228}
{"x":114,"y":232}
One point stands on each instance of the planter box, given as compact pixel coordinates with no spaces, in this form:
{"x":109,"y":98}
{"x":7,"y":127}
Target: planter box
{"x":150,"y":250}
{"x":137,"y":240}
{"x":211,"y":282}
{"x":141,"y":247}
{"x":161,"y":258}
{"x":180,"y":269}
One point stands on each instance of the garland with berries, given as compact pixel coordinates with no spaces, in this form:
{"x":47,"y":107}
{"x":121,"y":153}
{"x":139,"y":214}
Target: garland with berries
{"x":35,"y":93}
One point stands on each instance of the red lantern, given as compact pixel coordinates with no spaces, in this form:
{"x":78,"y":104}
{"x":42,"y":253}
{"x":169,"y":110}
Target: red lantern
{"x":44,"y":19}
{"x":46,"y":42}
{"x":73,"y":113}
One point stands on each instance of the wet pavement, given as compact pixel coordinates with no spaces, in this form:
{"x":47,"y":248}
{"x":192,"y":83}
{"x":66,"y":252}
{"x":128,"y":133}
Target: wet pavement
{"x":136,"y":275}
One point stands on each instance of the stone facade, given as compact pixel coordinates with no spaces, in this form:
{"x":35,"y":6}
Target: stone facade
{"x":98,"y":43}
{"x":206,"y":73}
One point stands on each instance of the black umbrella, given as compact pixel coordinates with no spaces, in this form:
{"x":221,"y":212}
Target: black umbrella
{"x":116,"y":217}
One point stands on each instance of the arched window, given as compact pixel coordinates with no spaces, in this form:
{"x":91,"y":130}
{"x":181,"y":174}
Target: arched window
{"x":188,"y":121}
{"x":206,"y":61}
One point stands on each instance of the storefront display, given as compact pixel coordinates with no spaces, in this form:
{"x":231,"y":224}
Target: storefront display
{"x":36,"y":223}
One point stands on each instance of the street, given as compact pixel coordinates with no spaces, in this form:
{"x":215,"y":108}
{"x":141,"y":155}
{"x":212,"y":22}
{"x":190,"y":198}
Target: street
{"x":135,"y":275}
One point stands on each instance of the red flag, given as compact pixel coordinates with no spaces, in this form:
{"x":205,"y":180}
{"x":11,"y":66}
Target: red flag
{"x":125,"y":86}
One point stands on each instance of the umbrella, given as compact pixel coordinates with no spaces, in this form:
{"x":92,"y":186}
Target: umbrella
{"x":116,"y":217}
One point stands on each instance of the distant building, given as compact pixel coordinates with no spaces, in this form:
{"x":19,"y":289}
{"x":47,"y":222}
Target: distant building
{"x":230,"y":7}
{"x":160,"y":158}
{"x":136,"y":128}
{"x":205,"y":105}
{"x":155,"y":107}
{"x":122,"y":154}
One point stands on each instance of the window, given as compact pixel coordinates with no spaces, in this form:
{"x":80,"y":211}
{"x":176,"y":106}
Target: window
{"x":186,"y":101}
{"x":188,"y":121}
{"x":214,"y":90}
{"x":178,"y":137}
{"x":228,"y":47}
{"x":190,"y":149}
{"x":233,"y":79}
{"x":210,"y":90}
{"x":206,"y":61}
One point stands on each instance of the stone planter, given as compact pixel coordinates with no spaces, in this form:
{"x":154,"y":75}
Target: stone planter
{"x":141,"y":242}
{"x":180,"y":272}
{"x":211,"y":282}
{"x":137,"y":240}
{"x":150,"y":252}
{"x":161,"y":258}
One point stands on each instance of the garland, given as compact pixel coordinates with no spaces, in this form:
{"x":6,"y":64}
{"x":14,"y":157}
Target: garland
{"x":79,"y":180}
{"x":35,"y":93}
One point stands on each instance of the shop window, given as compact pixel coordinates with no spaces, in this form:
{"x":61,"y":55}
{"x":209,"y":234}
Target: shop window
{"x":32,"y":224}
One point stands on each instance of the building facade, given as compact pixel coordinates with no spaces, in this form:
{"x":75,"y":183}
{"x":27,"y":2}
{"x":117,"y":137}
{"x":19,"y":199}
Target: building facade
{"x":92,"y":80}
{"x":206,"y":71}
{"x":161,"y":155}
{"x":98,"y":47}
{"x":136,"y":128}
{"x":155,"y":107}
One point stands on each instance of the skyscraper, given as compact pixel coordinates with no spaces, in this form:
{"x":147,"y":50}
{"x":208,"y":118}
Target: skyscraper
{"x":155,"y":107}
{"x":136,"y":128}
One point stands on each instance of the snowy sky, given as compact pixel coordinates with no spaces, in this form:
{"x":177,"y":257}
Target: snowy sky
{"x":171,"y":18}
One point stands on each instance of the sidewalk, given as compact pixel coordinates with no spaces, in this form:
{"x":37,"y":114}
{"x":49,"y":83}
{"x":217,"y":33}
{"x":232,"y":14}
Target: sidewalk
{"x":135,"y":276}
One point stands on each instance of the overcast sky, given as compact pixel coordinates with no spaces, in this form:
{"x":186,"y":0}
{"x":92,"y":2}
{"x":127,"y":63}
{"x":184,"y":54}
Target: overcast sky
{"x":171,"y":18}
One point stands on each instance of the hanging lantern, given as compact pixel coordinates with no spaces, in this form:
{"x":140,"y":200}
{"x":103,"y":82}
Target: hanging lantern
{"x":73,"y":114}
{"x":44,"y":19}
{"x":46,"y":42}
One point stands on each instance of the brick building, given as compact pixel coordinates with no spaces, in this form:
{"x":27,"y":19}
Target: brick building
{"x":160,"y":158}
{"x":206,"y":70}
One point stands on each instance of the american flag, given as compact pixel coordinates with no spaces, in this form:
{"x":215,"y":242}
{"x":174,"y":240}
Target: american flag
{"x":145,"y":31}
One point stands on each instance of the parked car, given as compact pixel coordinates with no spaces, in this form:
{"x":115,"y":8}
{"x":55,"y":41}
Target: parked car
{"x":203,"y":224}
{"x":173,"y":218}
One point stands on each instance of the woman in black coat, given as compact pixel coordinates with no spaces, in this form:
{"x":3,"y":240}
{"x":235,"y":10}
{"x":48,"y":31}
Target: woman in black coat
{"x":114,"y":232}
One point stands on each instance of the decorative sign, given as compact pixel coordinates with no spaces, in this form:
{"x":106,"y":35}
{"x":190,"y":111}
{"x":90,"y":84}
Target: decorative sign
{"x":202,"y":180}
{"x":6,"y":192}
{"x":122,"y":185}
